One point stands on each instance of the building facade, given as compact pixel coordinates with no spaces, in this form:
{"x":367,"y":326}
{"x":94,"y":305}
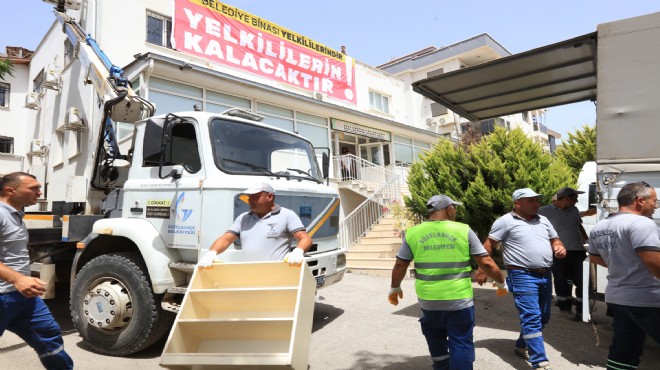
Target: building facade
{"x":183,"y":56}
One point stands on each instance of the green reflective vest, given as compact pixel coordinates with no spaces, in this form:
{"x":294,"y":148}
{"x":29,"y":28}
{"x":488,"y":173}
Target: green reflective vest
{"x":441,"y":252}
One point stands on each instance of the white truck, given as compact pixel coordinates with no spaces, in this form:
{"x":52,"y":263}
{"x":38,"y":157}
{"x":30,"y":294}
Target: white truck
{"x":618,"y":66}
{"x":155,"y":204}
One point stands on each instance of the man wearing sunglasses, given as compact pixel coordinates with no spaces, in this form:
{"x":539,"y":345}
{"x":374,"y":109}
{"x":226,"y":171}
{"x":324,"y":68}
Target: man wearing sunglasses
{"x":627,"y":243}
{"x":567,"y":220}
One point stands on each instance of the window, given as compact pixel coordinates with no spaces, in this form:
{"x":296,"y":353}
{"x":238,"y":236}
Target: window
{"x":379,"y":102}
{"x":69,"y":52}
{"x":407,"y":150}
{"x":38,"y":81}
{"x":4,"y":95}
{"x":6,"y":144}
{"x":159,"y":29}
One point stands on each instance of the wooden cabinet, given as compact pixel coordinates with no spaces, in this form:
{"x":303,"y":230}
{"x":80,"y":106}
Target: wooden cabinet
{"x":244,"y":316}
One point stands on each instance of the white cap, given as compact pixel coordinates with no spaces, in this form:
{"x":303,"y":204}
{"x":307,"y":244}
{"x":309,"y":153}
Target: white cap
{"x":524,"y":193}
{"x":258,"y":188}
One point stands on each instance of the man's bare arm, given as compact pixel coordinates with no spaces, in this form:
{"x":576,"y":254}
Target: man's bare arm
{"x":651,"y":259}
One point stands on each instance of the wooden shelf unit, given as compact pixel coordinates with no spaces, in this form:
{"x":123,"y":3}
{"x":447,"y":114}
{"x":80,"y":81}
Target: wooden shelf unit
{"x":244,"y":316}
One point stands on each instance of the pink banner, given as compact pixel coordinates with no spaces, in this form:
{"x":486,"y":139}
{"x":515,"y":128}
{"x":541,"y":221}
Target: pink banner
{"x":229,"y":36}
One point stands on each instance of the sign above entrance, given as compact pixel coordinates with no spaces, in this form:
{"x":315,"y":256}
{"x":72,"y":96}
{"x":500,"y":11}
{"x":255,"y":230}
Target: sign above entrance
{"x":360,"y":130}
{"x":227,"y":35}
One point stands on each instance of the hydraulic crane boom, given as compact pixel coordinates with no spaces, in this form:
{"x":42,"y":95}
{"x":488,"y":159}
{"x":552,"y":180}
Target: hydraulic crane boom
{"x":120,"y":102}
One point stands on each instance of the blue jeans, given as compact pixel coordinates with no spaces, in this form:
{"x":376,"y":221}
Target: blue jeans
{"x":532,"y":294}
{"x":631,"y":325}
{"x":449,"y":337}
{"x":30,"y":319}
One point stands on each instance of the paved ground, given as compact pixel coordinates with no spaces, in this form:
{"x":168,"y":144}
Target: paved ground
{"x":355,"y":328}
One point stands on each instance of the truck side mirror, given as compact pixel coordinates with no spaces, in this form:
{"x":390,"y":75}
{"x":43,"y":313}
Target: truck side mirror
{"x":325,"y":165}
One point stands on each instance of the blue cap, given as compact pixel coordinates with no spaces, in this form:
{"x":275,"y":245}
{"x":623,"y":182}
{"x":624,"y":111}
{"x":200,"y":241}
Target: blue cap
{"x":440,"y":201}
{"x":524,"y":193}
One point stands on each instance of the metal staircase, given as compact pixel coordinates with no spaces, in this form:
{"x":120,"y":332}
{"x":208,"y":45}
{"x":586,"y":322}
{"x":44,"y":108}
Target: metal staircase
{"x":368,"y":232}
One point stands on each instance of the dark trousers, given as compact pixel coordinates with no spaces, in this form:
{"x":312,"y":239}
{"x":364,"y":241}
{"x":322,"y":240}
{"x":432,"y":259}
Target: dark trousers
{"x":631,"y":325}
{"x":565,"y":270}
{"x":30,"y":319}
{"x":449,"y":337}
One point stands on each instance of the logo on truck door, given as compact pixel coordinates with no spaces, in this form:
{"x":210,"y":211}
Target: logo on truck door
{"x":182,"y":214}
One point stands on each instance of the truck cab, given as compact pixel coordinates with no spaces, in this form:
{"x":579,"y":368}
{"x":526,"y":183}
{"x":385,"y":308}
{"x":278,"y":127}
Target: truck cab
{"x":180,"y":190}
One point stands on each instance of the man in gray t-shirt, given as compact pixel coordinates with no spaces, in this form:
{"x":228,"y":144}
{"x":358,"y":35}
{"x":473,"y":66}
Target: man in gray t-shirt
{"x":22,"y":311}
{"x":528,"y":243}
{"x":627,"y":243}
{"x":266,"y":232}
{"x":567,"y":220}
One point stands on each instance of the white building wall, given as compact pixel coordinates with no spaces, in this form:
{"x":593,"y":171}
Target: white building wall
{"x":14,"y":120}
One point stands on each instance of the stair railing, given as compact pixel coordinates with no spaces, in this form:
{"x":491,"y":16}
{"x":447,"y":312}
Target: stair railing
{"x":350,"y":167}
{"x":357,"y":223}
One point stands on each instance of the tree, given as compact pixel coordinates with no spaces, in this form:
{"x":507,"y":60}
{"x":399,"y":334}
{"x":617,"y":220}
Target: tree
{"x":579,"y":148}
{"x":6,"y":68}
{"x":484,"y":174}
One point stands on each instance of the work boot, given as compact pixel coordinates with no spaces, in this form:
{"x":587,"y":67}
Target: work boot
{"x":521,"y":352}
{"x":564,"y":306}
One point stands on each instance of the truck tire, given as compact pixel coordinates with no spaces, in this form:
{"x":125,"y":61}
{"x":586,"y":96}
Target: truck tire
{"x":114,"y":308}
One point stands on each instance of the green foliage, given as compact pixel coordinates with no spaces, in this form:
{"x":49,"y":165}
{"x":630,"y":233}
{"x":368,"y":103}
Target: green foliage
{"x":6,"y":68}
{"x":484,"y":174}
{"x":579,"y":148}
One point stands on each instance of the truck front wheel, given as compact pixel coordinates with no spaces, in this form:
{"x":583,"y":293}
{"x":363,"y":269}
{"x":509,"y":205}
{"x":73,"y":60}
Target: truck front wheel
{"x":114,"y":308}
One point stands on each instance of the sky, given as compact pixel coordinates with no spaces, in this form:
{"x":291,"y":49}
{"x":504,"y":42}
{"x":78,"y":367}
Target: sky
{"x":375,"y":32}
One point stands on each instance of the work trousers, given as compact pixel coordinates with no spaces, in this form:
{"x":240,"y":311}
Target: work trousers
{"x":449,"y":337}
{"x":532,"y":294}
{"x":31,"y":320}
{"x":564,"y":271}
{"x":631,"y":325}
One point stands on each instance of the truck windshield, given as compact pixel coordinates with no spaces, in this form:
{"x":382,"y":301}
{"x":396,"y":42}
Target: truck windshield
{"x":242,"y":148}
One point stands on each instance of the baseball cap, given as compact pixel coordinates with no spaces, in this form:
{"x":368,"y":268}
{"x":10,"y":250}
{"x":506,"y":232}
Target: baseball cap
{"x":524,"y":193}
{"x":565,"y":192}
{"x":440,"y":201}
{"x":258,"y":188}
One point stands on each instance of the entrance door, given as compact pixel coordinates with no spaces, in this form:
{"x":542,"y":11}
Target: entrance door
{"x":372,"y":153}
{"x":372,"y":162}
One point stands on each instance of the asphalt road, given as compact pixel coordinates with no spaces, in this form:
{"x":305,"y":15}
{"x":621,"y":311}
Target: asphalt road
{"x":356,"y":328}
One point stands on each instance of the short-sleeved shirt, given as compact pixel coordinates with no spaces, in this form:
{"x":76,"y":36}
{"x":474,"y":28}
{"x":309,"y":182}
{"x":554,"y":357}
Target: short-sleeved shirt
{"x":525,"y":243}
{"x":476,"y":249}
{"x":268,"y":238}
{"x":567,"y":223}
{"x":13,"y":244}
{"x":617,"y":239}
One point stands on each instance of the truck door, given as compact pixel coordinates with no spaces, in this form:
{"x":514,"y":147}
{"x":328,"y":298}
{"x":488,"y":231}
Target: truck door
{"x":173,"y":205}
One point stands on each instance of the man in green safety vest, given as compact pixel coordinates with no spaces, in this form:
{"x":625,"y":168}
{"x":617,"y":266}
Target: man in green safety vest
{"x":441,"y":249}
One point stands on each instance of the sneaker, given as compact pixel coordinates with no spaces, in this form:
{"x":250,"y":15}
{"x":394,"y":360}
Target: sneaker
{"x":545,"y":365}
{"x":521,"y":352}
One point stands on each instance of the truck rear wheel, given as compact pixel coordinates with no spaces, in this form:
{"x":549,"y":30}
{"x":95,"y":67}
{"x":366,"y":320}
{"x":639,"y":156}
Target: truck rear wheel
{"x":114,"y":308}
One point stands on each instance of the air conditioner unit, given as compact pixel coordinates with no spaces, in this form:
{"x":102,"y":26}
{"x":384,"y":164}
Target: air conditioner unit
{"x":430,"y":122}
{"x":52,"y":80}
{"x":32,"y":101}
{"x":72,"y":120}
{"x":36,"y":146}
{"x":319,"y":96}
{"x":68,"y":4}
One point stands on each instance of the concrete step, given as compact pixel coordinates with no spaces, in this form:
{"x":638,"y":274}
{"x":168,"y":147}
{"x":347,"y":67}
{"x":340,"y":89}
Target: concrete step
{"x":374,"y":247}
{"x":370,"y":270}
{"x":376,"y":271}
{"x":371,"y":254}
{"x":370,"y":262}
{"x":389,"y":233}
{"x":382,"y":227}
{"x":384,"y":240}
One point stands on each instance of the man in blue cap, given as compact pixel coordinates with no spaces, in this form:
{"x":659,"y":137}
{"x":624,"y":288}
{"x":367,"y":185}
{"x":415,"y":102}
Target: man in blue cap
{"x":528,"y":243}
